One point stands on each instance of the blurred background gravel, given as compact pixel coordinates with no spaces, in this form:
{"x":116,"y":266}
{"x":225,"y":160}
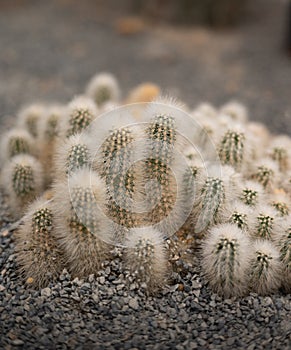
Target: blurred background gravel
{"x":49,"y":50}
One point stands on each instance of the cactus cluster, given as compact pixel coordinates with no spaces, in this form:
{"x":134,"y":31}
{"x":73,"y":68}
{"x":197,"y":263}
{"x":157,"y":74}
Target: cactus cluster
{"x":155,"y":179}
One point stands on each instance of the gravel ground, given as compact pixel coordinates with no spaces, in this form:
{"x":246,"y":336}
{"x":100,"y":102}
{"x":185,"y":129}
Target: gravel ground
{"x":109,"y":311}
{"x":48,"y":52}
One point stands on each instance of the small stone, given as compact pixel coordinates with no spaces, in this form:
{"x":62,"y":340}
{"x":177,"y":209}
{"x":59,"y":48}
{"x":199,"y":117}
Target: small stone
{"x":133,"y":303}
{"x":17,"y":342}
{"x":2,"y":288}
{"x":46,"y":292}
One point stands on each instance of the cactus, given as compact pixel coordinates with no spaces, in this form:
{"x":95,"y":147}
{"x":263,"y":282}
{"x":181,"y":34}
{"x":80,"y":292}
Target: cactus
{"x":30,"y":118}
{"x":212,"y":196}
{"x":283,"y":243}
{"x":82,"y":227}
{"x":81,"y":112}
{"x":16,"y":141}
{"x":231,"y":149}
{"x":23,"y":181}
{"x":265,"y":269}
{"x":225,"y":259}
{"x":238,"y":214}
{"x":280,"y":155}
{"x":161,"y":136}
{"x":281,"y":203}
{"x":265,"y":219}
{"x":72,"y":154}
{"x":145,"y":257}
{"x":236,"y":111}
{"x":38,"y":254}
{"x":252,"y":193}
{"x":117,"y":152}
{"x":237,"y":194}
{"x":103,"y":88}
{"x":265,"y":173}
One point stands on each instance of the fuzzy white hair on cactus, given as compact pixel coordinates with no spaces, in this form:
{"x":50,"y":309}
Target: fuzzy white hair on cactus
{"x":29,"y":117}
{"x":146,"y":258}
{"x":236,"y":110}
{"x":80,"y":112}
{"x":264,"y":221}
{"x":283,"y":243}
{"x":103,"y":88}
{"x":213,"y":192}
{"x":37,"y":251}
{"x":266,"y":268}
{"x":252,"y":193}
{"x":23,"y":180}
{"x":14,"y":142}
{"x":239,"y":214}
{"x":82,"y":226}
{"x":225,"y":259}
{"x":71,"y":154}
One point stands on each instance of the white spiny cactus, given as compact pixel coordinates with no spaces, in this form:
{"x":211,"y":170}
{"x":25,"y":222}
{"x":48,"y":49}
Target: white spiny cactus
{"x":23,"y":180}
{"x":29,"y":118}
{"x":82,"y":226}
{"x":38,"y":254}
{"x":116,"y":170}
{"x":71,"y":154}
{"x":265,"y":269}
{"x":225,"y":259}
{"x":103,"y":88}
{"x":283,"y":243}
{"x":81,"y":111}
{"x":146,"y":258}
{"x":14,"y":142}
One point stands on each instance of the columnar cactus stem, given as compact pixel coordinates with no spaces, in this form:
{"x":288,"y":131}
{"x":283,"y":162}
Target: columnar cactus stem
{"x":81,"y":112}
{"x":252,"y":193}
{"x":231,"y":149}
{"x":72,"y":154}
{"x":82,"y":226}
{"x":212,"y":196}
{"x":265,"y":269}
{"x":264,"y":222}
{"x":103,"y":88}
{"x":239,"y":214}
{"x":23,"y":180}
{"x":30,"y":118}
{"x":280,"y":155}
{"x":37,"y":250}
{"x":225,"y":259}
{"x":117,"y":153}
{"x":161,"y":135}
{"x":283,"y":242}
{"x":16,"y":141}
{"x":145,"y":257}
